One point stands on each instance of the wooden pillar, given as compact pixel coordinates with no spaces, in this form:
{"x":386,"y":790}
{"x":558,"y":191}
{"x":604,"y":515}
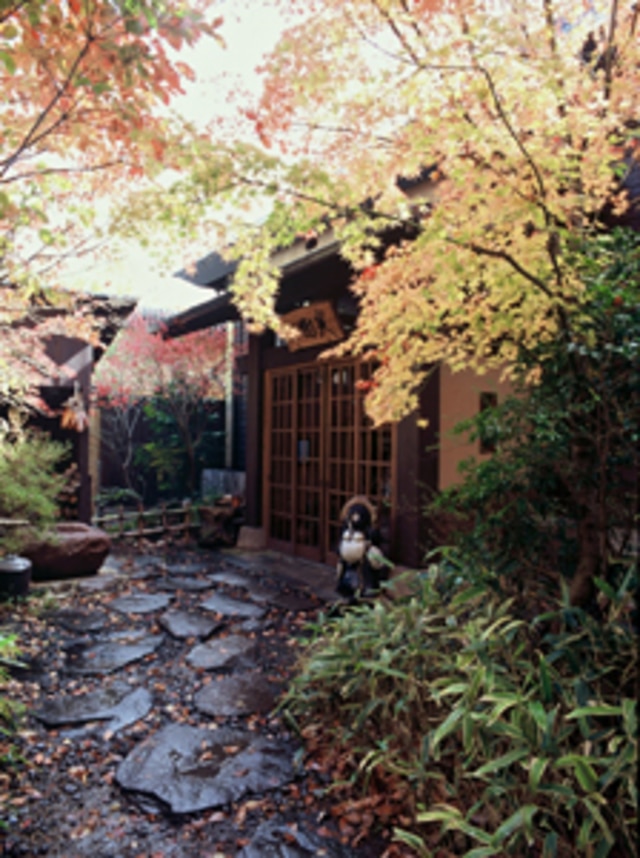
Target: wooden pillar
{"x":229,"y":423}
{"x":416,"y":476}
{"x":255,"y":430}
{"x":85,"y":498}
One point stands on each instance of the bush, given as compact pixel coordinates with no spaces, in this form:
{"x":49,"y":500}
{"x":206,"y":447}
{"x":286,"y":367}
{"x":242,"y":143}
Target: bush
{"x":29,"y":484}
{"x":507,"y":737}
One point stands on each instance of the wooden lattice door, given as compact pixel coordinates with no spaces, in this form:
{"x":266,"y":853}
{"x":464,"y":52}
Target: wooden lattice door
{"x":320,"y":450}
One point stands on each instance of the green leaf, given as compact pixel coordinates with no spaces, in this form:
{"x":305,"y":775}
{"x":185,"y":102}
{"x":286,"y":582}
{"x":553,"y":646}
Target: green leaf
{"x":441,"y":813}
{"x":8,"y":61}
{"x":448,"y":726}
{"x":5,"y":202}
{"x":503,"y":702}
{"x":545,"y":680}
{"x":501,"y":763}
{"x":584,"y":835}
{"x":493,"y":627}
{"x":583,"y":769}
{"x":594,"y":810}
{"x":601,"y":710}
{"x":539,"y":715}
{"x":536,"y":770}
{"x":378,"y":667}
{"x":454,"y":688}
{"x":522,"y":818}
{"x":46,"y":236}
{"x":467,"y":732}
{"x":630,"y":713}
{"x":467,"y":595}
{"x":413,"y":840}
{"x":602,"y":849}
{"x":150,"y":15}
{"x":452,"y":818}
{"x":550,"y":845}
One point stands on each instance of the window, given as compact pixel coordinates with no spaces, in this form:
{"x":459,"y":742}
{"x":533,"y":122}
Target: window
{"x":488,"y":400}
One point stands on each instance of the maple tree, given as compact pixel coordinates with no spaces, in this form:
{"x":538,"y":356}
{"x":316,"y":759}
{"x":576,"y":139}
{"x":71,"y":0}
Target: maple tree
{"x":524,"y":149}
{"x":86,"y":86}
{"x":146,"y":375}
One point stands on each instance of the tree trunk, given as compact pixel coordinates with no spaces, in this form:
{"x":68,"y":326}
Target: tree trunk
{"x":590,"y":561}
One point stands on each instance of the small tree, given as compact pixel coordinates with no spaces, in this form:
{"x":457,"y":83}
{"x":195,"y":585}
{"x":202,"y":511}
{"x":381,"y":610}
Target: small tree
{"x":168,"y":384}
{"x":30,"y":483}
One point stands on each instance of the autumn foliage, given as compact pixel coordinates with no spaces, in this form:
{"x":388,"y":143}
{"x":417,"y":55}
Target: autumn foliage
{"x":480,"y":131}
{"x":141,"y":362}
{"x":85,"y":87}
{"x":147,"y":377}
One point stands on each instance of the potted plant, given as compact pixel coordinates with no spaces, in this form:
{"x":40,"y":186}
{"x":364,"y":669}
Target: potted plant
{"x":29,"y":487}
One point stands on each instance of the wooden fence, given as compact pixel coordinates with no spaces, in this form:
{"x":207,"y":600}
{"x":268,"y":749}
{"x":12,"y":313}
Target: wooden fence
{"x":158,"y":522}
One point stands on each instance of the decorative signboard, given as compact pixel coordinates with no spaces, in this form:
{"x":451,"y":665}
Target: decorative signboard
{"x":317,"y":323}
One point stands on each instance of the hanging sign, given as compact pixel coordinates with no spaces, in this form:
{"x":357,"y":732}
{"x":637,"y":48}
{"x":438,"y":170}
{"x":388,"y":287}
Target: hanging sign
{"x":317,"y":323}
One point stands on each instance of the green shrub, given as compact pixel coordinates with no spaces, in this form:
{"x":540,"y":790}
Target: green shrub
{"x":29,"y":483}
{"x":514,"y":737}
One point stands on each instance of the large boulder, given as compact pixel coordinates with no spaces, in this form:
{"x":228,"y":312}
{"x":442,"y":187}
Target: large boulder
{"x":72,"y":550}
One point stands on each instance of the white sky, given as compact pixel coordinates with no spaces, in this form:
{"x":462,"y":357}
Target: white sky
{"x":249,"y":33}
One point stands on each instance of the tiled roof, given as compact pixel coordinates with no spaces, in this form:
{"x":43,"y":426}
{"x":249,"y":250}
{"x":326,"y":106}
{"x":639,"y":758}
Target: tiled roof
{"x":27,"y":362}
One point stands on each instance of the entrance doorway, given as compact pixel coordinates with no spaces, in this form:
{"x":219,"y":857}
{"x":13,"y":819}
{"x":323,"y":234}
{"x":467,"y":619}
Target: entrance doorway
{"x":321,"y":449}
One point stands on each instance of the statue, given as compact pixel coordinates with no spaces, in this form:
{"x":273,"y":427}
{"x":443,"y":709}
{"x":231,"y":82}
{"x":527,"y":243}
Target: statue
{"x":362,"y":566}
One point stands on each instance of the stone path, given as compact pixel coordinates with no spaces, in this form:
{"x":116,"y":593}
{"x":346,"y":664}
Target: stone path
{"x":165,"y":671}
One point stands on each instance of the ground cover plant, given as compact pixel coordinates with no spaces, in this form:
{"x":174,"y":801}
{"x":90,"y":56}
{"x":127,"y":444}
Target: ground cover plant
{"x":485,"y":732}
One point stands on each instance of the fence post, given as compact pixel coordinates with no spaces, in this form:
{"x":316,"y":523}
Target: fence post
{"x":140,"y":520}
{"x":187,"y":521}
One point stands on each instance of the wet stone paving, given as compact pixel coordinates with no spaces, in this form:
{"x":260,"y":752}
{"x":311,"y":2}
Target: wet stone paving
{"x":150,"y":729}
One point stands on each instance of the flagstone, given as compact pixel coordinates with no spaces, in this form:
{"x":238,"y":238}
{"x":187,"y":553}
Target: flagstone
{"x":220,"y":652}
{"x":141,"y":603}
{"x":191,"y":769}
{"x":110,"y":656}
{"x":229,"y":607}
{"x":188,"y":624}
{"x":118,"y":705}
{"x":238,"y":694}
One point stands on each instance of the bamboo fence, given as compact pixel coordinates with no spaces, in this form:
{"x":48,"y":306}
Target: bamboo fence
{"x":141,"y":523}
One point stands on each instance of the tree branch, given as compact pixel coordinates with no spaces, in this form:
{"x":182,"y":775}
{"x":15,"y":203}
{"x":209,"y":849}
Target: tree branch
{"x":479,"y":250}
{"x":107,"y":165}
{"x":34,"y":135}
{"x":8,"y":13}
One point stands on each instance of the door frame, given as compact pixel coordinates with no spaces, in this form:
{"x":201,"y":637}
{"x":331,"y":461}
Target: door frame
{"x":324,"y":550}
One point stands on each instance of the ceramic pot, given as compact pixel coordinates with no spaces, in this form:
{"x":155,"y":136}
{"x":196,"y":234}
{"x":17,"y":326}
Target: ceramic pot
{"x":15,"y":576}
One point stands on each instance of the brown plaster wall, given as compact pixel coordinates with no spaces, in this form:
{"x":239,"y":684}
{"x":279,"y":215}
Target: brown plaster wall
{"x":459,"y":400}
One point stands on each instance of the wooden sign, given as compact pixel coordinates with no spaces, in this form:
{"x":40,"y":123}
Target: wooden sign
{"x":317,"y":323}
